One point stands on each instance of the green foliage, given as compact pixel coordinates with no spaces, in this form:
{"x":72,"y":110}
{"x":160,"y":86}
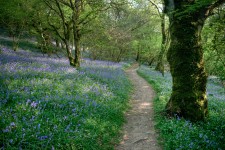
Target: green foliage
{"x":11,"y":14}
{"x":191,"y":7}
{"x":180,"y":134}
{"x":214,"y":44}
{"x":110,"y":35}
{"x":13,"y":19}
{"x":107,"y":36}
{"x":123,"y":31}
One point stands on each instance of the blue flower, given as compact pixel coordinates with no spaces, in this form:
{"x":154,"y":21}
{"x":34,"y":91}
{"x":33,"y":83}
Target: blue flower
{"x":43,"y":137}
{"x":33,"y":104}
{"x":5,"y":130}
{"x":12,"y":124}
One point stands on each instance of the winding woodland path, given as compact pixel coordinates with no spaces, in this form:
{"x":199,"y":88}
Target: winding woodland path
{"x":138,"y":132}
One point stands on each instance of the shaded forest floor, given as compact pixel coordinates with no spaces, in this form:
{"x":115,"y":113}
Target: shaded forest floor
{"x":139,"y":132}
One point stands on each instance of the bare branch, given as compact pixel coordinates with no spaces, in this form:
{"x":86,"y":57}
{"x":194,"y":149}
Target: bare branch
{"x":65,"y":3}
{"x":213,"y":6}
{"x":87,"y":18}
{"x":139,"y":24}
{"x":54,"y":28}
{"x":159,"y":10}
{"x":51,"y":7}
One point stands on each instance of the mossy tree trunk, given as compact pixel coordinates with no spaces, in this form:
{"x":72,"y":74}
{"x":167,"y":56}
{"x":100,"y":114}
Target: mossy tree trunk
{"x":185,"y":56}
{"x":160,"y":65}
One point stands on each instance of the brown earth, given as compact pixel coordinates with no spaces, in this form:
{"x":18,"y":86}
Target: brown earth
{"x":139,"y":132}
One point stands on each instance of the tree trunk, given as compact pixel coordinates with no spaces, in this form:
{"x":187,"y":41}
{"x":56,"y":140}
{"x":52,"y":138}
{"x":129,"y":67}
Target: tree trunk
{"x":185,"y":57}
{"x":77,"y":53}
{"x":57,"y":43}
{"x":138,"y":54}
{"x":62,"y":45}
{"x":15,"y":43}
{"x":76,"y":30}
{"x":160,"y":65}
{"x":151,"y":61}
{"x":69,"y":53}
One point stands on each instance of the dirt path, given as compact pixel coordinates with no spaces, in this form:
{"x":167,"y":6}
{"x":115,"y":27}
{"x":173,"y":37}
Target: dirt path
{"x":138,"y":132}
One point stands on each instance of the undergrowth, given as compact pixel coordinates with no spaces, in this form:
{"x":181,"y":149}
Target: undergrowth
{"x":180,"y":134}
{"x":47,"y":104}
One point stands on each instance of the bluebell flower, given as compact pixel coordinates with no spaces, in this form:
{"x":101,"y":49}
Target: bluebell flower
{"x":43,"y":137}
{"x":34,"y":104}
{"x":28,"y":101}
{"x":11,"y":141}
{"x":6,"y":130}
{"x":74,"y":110}
{"x":12,"y":124}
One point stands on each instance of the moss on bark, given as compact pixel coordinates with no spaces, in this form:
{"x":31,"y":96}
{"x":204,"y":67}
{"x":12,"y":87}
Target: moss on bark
{"x":185,"y":57}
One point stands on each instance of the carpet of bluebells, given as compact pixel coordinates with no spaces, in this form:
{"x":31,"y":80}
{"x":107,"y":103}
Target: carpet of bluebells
{"x":47,"y":104}
{"x":179,"y":134}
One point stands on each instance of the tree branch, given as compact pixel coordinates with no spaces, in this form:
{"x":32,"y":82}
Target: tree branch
{"x":51,"y":7}
{"x":139,"y":24}
{"x":213,"y":6}
{"x":159,"y":10}
{"x":54,"y":28}
{"x":66,"y":3}
{"x":88,"y":16}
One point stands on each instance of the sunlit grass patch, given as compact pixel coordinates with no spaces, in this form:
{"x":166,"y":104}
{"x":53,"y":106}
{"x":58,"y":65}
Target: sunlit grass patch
{"x":177,"y":133}
{"x":47,"y":104}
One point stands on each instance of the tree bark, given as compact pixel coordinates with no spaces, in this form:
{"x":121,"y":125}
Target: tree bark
{"x":185,"y":57}
{"x":69,"y":53}
{"x":57,"y":44}
{"x":161,"y":12}
{"x":138,"y":54}
{"x":15,"y":43}
{"x":77,"y":53}
{"x":160,"y":65}
{"x":76,"y":30}
{"x":150,"y":62}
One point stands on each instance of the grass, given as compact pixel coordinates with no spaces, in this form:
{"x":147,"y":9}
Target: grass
{"x":179,"y":134}
{"x":47,"y":104}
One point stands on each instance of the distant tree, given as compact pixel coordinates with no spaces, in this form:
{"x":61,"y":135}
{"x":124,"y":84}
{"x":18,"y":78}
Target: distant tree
{"x":13,"y":18}
{"x":160,"y":6}
{"x":72,"y":17}
{"x":146,"y":32}
{"x":38,"y":25}
{"x":185,"y":56}
{"x":111,"y":33}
